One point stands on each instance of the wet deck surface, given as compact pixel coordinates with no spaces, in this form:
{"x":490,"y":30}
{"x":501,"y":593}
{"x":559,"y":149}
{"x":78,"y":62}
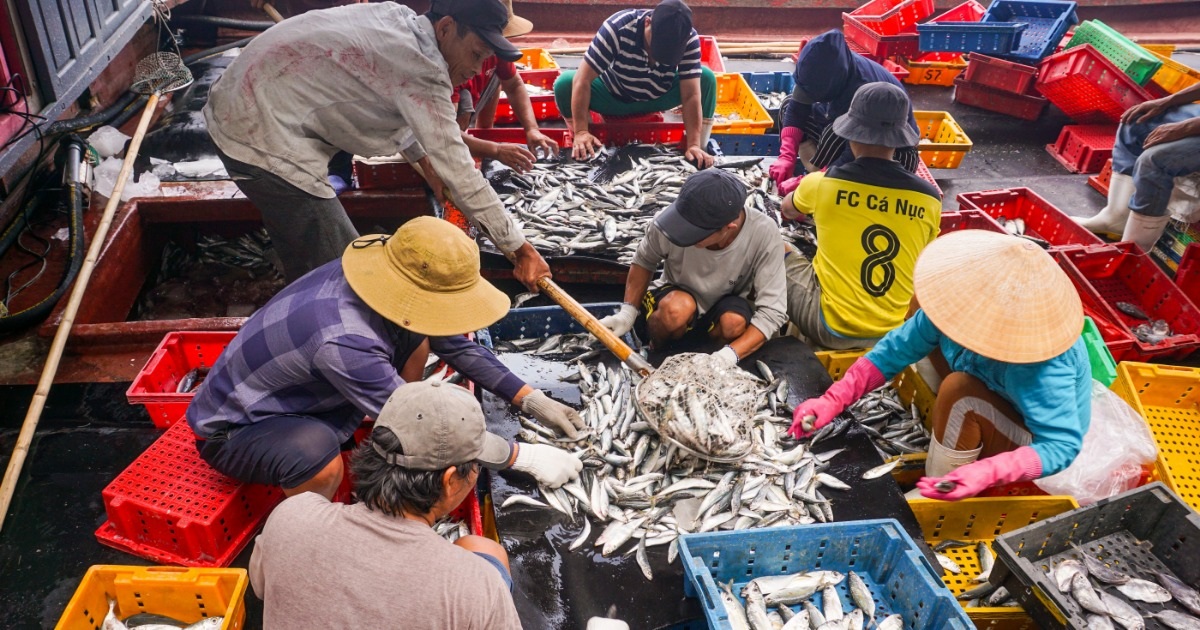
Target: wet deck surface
{"x":89,"y":433}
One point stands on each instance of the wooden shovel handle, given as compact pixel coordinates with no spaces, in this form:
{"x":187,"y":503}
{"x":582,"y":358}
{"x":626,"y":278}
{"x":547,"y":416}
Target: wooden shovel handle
{"x":272,"y":12}
{"x":593,"y":325}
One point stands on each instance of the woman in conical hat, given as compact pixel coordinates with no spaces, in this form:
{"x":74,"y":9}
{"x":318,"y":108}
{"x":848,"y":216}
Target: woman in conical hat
{"x":1004,"y":324}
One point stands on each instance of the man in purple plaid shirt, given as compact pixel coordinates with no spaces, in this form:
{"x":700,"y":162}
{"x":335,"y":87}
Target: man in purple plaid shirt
{"x":296,"y":381}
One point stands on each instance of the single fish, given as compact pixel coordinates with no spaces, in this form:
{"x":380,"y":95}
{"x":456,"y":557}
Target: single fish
{"x":643,"y":560}
{"x":1122,"y":612}
{"x":831,"y":604}
{"x":733,"y":608}
{"x":948,"y":564}
{"x":583,"y":535}
{"x":1177,"y":620}
{"x":945,"y":486}
{"x":891,"y":622}
{"x":854,"y":620}
{"x":1099,"y":622}
{"x":110,"y":620}
{"x":881,"y":470}
{"x":1132,"y":310}
{"x":997,"y":597}
{"x":798,"y":621}
{"x":1182,"y":593}
{"x":861,"y":595}
{"x":1098,"y":569}
{"x":816,"y":618}
{"x":801,"y":587}
{"x":987,"y":560}
{"x":1087,"y":599}
{"x":1144,"y":591}
{"x":950,"y":543}
{"x":1065,"y":571}
{"x":756,"y":609}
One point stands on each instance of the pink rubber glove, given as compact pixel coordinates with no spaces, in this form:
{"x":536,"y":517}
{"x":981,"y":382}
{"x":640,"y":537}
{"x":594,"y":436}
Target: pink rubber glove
{"x":789,"y":139}
{"x":861,"y":378}
{"x":1022,"y":464}
{"x":788,"y":186}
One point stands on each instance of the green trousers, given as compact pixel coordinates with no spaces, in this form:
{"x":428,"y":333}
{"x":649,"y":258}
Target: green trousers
{"x":605,"y":103}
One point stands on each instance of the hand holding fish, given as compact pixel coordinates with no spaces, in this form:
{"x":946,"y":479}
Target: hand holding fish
{"x":699,"y":157}
{"x":1022,"y":464}
{"x":622,"y":321}
{"x":552,"y":467}
{"x":551,"y":412}
{"x":861,"y":378}
{"x":585,"y":145}
{"x":538,"y":141}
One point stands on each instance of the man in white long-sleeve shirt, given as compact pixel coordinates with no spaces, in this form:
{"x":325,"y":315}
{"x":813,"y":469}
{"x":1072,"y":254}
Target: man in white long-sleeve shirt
{"x":722,"y":275}
{"x":369,"y":79}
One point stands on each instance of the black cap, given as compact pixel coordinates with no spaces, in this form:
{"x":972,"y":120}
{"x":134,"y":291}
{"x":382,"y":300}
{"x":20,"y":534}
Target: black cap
{"x":670,"y":30}
{"x":486,"y":17}
{"x":708,"y":201}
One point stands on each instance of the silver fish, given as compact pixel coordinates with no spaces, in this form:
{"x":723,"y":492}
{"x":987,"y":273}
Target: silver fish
{"x":733,"y":608}
{"x":1144,"y":591}
{"x":583,"y":535}
{"x":816,"y":618}
{"x":854,"y":620}
{"x":756,"y":609}
{"x":1098,"y":569}
{"x":891,"y":622}
{"x":831,"y":604}
{"x":861,"y":595}
{"x":1176,"y":620}
{"x":1122,"y":612}
{"x":881,"y":470}
{"x":948,"y":564}
{"x":1099,"y":622}
{"x":520,"y":499}
{"x":1065,"y":571}
{"x":1182,"y":593}
{"x":1087,"y":599}
{"x":987,"y":560}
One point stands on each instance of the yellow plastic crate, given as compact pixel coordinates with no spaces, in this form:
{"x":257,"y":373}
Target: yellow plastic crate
{"x":1168,"y":397}
{"x":975,"y":520}
{"x":911,"y":388}
{"x":186,"y":594}
{"x":941,"y":73}
{"x":1161,"y":49}
{"x":947,"y":142}
{"x":734,"y":96}
{"x":1173,"y":76}
{"x":536,"y":59}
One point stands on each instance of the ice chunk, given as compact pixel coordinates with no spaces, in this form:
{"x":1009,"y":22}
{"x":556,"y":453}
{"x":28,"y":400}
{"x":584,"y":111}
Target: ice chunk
{"x":108,"y":141}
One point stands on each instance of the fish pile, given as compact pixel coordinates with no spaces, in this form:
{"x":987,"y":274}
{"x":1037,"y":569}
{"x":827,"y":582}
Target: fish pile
{"x":772,"y":100}
{"x":566,"y":207}
{"x":646,"y":491}
{"x":451,"y":529}
{"x":894,"y":428}
{"x":1151,"y":331}
{"x":1091,"y":582}
{"x":146,"y":621}
{"x":782,"y":592}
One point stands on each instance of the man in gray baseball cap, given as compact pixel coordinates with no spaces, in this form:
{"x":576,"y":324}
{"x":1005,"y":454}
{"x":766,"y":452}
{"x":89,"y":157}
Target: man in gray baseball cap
{"x":873,"y":217}
{"x":319,"y":564}
{"x":722,"y":271}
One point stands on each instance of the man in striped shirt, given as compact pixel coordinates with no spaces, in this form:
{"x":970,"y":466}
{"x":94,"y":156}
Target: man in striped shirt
{"x":641,"y":62}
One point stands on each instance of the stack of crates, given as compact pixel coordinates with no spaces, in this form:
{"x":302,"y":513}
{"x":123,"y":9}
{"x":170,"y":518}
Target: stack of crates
{"x":998,"y":85}
{"x":1089,"y":87}
{"x":942,"y":68}
{"x":887,"y":28}
{"x":1020,"y":30}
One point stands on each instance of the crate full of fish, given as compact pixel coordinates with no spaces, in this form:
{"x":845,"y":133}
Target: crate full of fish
{"x":1137,"y":298}
{"x":961,"y":534}
{"x":738,"y":108}
{"x":1167,"y":396}
{"x":868,"y":573}
{"x":166,"y":384}
{"x":117,"y":596}
{"x":1127,"y":561}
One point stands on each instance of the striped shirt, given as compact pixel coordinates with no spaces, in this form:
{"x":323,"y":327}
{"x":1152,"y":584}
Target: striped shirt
{"x":317,"y":350}
{"x":618,"y":55}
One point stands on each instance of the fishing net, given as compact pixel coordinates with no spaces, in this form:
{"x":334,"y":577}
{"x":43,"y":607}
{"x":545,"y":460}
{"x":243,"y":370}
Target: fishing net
{"x":701,"y":405}
{"x":160,"y":72}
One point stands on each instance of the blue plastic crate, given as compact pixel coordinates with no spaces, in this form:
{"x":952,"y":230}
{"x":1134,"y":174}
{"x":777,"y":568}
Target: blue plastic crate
{"x":537,"y":322}
{"x":766,"y":144}
{"x":1048,"y":22}
{"x":766,"y":82}
{"x":990,"y":39}
{"x":880,"y":551}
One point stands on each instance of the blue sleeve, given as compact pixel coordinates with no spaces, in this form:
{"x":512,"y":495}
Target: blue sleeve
{"x":360,"y":369}
{"x":478,"y":364}
{"x":905,"y":345}
{"x":1055,"y":401}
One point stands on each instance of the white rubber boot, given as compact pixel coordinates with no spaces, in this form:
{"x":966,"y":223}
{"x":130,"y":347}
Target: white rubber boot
{"x":1144,"y":231}
{"x":705,"y":133}
{"x":1112,"y":218}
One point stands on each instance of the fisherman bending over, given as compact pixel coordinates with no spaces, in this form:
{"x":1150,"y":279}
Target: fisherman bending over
{"x":722,"y":277}
{"x":371,"y":80}
{"x":296,"y":381}
{"x":421,"y":461}
{"x":873,"y":218}
{"x":642,"y":62}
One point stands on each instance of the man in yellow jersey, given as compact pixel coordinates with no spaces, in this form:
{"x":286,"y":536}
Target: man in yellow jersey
{"x":872,"y":217}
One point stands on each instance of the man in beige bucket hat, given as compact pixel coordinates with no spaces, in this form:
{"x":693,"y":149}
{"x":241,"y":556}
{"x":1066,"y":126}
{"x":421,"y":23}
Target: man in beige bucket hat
{"x":296,"y":381}
{"x":420,"y":462}
{"x":1004,"y":322}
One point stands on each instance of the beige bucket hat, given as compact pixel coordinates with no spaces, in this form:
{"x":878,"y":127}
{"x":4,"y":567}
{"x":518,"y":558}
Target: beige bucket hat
{"x":1001,"y":296}
{"x":424,"y":278}
{"x":517,"y":25}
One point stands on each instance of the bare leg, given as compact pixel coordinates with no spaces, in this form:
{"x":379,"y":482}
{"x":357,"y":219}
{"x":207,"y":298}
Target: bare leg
{"x":671,"y":317}
{"x":730,"y":326}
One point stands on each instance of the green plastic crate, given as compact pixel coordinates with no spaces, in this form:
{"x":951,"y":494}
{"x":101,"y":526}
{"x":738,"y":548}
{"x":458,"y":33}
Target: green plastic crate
{"x":1137,"y":62}
{"x":1104,"y":368}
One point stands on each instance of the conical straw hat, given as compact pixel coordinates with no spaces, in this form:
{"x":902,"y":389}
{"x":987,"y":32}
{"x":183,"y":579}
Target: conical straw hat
{"x":517,"y":25}
{"x":1001,"y":296}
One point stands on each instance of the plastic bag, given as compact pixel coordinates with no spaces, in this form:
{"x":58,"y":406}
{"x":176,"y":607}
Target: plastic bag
{"x":1184,"y":204}
{"x":1116,"y":446}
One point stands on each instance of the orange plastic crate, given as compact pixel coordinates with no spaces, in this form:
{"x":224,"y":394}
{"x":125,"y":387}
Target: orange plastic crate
{"x":189,"y":595}
{"x":1100,"y":182}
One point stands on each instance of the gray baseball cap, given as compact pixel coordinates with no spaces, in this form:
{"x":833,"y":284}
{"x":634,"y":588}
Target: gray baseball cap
{"x":439,"y":425}
{"x":878,"y":115}
{"x":708,"y":201}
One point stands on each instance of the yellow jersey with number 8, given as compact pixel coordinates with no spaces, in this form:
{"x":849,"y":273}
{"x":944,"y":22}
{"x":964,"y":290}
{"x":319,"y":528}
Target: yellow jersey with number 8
{"x":872,"y":219}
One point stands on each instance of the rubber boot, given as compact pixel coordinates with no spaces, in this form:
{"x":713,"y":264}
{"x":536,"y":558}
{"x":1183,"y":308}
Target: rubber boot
{"x":1114,"y":216}
{"x":705,"y":133}
{"x":805,"y":153}
{"x":941,"y":461}
{"x":1144,"y":231}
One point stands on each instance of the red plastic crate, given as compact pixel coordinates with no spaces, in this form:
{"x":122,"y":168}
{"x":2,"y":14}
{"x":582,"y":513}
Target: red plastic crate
{"x":1084,"y":148}
{"x":608,"y":133}
{"x":1042,"y":219}
{"x":1187,"y":277}
{"x":1000,"y":74}
{"x":1100,"y":182}
{"x":386,"y":175}
{"x":544,"y":105}
{"x":924,"y":173}
{"x":170,"y":507}
{"x":893,"y":17}
{"x":1024,"y":106}
{"x":1121,"y":272}
{"x":710,"y":54}
{"x":177,"y":354}
{"x":970,"y":219}
{"x":1088,"y":87}
{"x":877,"y":45}
{"x":897,"y":70}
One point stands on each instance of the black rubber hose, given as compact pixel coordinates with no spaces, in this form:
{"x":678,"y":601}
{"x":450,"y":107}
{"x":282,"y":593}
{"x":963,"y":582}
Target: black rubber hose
{"x":245,"y":25}
{"x":72,"y":124}
{"x":74,"y":197}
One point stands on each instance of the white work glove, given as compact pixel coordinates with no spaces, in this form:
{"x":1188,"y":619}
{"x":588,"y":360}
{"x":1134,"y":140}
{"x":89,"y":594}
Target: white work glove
{"x":727,"y":356}
{"x":552,"y":467}
{"x":621,"y":322}
{"x":604,"y":623}
{"x":552,"y":413}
